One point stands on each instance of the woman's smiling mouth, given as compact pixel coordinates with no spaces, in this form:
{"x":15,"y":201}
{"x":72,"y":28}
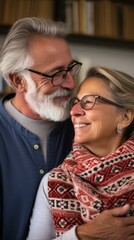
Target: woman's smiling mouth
{"x":80,"y":125}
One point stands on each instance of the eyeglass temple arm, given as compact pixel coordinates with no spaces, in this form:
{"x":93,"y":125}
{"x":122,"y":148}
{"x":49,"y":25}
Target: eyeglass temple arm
{"x":110,"y":102}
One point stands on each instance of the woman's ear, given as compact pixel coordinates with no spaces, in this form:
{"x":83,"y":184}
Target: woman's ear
{"x":17,"y":82}
{"x":127,"y":117}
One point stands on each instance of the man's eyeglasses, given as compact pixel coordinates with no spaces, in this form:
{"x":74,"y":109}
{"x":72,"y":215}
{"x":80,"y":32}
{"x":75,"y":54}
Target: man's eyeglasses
{"x":88,"y":101}
{"x":59,"y":77}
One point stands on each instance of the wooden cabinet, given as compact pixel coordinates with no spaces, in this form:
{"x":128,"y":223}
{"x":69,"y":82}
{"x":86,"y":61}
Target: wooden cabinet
{"x":100,"y":18}
{"x":12,"y":10}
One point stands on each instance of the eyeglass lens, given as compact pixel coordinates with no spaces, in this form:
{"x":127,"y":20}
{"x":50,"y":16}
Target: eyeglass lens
{"x":60,"y":76}
{"x":87,"y":102}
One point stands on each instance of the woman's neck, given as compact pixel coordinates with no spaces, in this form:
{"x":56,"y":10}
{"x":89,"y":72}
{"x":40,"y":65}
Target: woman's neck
{"x":103,"y":149}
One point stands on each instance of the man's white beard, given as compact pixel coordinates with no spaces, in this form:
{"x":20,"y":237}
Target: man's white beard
{"x":44,"y":104}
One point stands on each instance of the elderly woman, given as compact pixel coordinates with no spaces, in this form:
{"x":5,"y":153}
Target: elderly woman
{"x":98,"y":174}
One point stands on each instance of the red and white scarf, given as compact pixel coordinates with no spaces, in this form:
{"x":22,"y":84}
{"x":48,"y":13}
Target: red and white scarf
{"x":85,"y":185}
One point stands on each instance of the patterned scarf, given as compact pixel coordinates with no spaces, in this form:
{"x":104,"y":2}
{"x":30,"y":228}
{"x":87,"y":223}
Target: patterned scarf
{"x":85,"y":185}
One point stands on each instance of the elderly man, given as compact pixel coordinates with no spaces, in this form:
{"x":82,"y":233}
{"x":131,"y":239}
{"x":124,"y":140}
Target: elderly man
{"x":35,"y":129}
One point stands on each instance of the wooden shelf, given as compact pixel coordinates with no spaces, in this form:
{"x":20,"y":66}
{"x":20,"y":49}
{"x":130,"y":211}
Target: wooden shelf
{"x":88,"y":39}
{"x":100,"y":41}
{"x":4,"y":29}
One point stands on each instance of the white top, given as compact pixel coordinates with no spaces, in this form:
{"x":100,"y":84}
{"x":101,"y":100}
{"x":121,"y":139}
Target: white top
{"x":42,"y":226}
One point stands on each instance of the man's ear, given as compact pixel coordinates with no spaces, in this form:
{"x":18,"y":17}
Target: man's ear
{"x":17,"y":82}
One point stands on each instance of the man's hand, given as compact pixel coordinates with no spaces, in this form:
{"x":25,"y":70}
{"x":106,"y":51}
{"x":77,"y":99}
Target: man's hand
{"x":109,"y":225}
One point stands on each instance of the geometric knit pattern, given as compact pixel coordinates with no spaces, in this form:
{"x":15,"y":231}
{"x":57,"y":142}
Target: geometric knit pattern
{"x":84,"y":185}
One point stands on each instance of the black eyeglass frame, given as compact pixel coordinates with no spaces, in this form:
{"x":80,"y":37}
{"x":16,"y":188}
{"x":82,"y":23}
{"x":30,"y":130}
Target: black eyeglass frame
{"x":72,"y":101}
{"x":53,"y":75}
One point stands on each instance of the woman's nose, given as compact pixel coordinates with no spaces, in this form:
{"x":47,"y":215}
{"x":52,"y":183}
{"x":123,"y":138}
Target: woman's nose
{"x":77,"y":110}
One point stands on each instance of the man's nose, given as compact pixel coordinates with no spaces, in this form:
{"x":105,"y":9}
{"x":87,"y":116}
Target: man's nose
{"x":69,"y":81}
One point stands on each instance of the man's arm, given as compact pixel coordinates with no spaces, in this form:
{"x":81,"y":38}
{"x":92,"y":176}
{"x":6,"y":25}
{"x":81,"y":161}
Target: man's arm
{"x":109,"y":225}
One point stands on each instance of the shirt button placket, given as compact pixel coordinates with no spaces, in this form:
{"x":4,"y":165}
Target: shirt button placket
{"x":36,"y":147}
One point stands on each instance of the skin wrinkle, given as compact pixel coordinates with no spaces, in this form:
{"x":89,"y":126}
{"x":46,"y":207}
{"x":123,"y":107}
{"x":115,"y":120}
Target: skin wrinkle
{"x":98,"y":131}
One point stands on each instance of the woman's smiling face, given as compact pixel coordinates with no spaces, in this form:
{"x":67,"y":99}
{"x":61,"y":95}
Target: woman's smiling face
{"x":97,"y":126}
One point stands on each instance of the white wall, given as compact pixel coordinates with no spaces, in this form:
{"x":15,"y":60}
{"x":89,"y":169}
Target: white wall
{"x":113,"y":57}
{"x":89,"y":55}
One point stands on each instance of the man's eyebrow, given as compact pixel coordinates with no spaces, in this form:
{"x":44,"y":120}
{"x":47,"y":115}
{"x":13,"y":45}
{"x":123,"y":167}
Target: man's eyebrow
{"x":58,"y":68}
{"x":73,"y":61}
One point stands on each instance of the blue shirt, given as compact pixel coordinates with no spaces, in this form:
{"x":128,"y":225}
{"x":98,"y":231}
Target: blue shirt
{"x":22,"y":167}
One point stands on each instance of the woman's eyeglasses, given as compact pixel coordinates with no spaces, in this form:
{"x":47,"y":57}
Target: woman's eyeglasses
{"x":88,"y":101}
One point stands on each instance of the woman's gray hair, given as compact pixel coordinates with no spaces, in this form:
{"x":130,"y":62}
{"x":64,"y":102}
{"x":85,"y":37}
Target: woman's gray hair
{"x":121,"y":86}
{"x":14,"y":56}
